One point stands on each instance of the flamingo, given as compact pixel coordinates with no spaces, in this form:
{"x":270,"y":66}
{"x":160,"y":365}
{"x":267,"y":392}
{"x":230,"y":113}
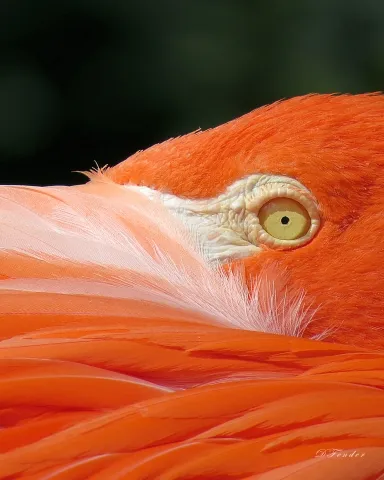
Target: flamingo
{"x":210,"y":308}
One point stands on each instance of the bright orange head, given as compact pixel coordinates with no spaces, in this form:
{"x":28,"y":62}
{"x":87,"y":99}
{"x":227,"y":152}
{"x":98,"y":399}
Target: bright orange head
{"x":334,"y":146}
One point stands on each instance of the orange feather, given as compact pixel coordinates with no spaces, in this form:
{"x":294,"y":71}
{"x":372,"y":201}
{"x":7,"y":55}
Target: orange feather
{"x":124,"y":354}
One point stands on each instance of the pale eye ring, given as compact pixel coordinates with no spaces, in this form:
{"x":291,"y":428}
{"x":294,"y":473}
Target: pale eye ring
{"x":287,"y":217}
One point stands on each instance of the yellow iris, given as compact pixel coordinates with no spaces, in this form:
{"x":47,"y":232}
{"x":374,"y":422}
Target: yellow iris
{"x":284,"y":219}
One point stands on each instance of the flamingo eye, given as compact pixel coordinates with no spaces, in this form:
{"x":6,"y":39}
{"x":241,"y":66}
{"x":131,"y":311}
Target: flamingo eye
{"x":284,"y":219}
{"x":256,"y":212}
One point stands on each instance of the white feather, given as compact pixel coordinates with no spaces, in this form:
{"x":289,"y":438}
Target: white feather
{"x":127,"y":247}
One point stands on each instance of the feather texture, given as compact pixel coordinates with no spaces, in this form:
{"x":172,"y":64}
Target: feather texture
{"x":125,"y":355}
{"x":113,"y":245}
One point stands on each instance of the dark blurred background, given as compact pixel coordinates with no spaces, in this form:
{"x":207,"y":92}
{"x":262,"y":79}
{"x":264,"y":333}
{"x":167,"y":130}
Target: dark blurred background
{"x":85,"y":81}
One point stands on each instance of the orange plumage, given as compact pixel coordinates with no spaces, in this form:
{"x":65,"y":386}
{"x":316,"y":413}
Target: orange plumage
{"x":125,"y":354}
{"x":334,"y":145}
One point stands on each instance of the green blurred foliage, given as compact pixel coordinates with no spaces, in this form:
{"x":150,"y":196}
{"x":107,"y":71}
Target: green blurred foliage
{"x":96,"y":80}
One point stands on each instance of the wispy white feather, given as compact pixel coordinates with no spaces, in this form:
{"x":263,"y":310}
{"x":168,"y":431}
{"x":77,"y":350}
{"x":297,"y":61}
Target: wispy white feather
{"x":128,"y":247}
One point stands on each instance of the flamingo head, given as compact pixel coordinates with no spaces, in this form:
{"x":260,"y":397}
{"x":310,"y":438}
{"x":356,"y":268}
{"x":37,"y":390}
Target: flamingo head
{"x":298,"y":185}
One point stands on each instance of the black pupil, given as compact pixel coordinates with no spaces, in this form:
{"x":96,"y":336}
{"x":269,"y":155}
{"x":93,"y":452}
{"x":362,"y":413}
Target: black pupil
{"x":285,"y":220}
